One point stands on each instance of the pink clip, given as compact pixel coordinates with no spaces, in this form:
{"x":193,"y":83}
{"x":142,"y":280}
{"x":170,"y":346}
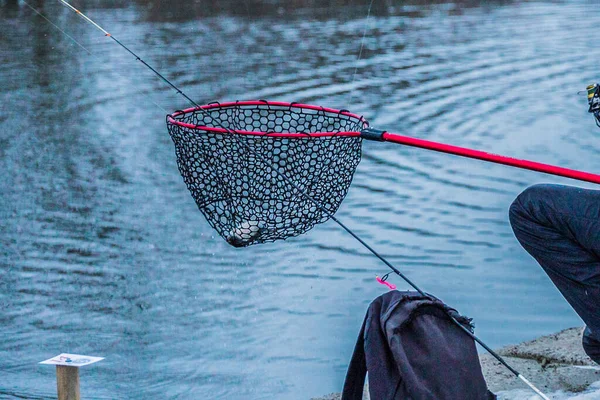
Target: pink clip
{"x":390,"y":285}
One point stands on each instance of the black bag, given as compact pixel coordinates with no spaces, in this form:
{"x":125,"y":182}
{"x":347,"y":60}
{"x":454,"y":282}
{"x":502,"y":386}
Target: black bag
{"x":414,"y":351}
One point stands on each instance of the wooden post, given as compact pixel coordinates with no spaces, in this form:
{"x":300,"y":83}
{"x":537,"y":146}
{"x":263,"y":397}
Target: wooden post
{"x":67,"y":373}
{"x":67,"y":382}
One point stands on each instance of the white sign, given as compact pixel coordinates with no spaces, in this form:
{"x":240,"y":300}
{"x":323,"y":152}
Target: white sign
{"x":72,"y":360}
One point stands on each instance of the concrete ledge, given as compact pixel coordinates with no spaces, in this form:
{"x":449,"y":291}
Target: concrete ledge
{"x":553,"y":362}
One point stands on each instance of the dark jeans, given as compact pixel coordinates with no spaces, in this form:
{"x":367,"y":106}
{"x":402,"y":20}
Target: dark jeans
{"x":560,"y":227}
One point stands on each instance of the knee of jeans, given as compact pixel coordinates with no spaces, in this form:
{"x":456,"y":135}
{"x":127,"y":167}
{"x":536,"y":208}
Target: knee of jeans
{"x":526,"y":202}
{"x":518,"y":209}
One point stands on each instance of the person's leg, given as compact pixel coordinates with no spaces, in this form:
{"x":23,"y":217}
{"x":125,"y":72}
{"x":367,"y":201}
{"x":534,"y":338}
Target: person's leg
{"x":560,"y":227}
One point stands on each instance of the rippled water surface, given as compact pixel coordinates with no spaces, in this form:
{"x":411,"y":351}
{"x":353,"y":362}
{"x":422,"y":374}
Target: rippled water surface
{"x":103,"y":251}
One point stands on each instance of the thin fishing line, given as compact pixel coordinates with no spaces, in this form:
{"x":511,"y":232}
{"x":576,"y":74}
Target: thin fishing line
{"x":362,"y":42}
{"x":82,"y":15}
{"x":306,"y":195}
{"x":57,"y":27}
{"x":82,"y":46}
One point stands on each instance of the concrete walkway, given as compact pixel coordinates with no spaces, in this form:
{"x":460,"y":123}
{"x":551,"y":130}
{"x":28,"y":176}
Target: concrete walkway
{"x":553,"y":362}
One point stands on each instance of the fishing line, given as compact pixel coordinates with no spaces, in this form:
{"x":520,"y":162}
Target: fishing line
{"x":82,"y":46}
{"x":362,"y":42}
{"x":304,"y":194}
{"x":57,"y":27}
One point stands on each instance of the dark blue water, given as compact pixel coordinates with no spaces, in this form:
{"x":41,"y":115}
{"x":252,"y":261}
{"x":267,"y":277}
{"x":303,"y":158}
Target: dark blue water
{"x":103,"y":251}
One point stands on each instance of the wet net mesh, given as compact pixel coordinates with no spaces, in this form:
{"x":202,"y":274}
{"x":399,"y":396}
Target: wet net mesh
{"x":232,"y":176}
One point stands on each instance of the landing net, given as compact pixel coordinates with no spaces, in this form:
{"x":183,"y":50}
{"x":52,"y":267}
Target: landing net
{"x":241,"y":195}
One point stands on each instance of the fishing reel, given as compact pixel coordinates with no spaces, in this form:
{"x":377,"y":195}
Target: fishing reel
{"x":593,"y":95}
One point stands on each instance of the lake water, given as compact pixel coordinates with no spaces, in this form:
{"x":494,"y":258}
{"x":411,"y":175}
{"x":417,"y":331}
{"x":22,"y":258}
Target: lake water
{"x":103,"y":251}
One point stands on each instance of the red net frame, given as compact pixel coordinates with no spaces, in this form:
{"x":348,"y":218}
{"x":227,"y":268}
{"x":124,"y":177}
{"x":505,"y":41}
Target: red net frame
{"x":176,"y":118}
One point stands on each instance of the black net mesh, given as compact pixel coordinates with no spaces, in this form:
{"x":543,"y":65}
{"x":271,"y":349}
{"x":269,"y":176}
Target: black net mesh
{"x":232,"y":177}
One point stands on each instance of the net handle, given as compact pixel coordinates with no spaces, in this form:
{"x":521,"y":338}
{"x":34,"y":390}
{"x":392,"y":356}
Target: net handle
{"x":373,"y":134}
